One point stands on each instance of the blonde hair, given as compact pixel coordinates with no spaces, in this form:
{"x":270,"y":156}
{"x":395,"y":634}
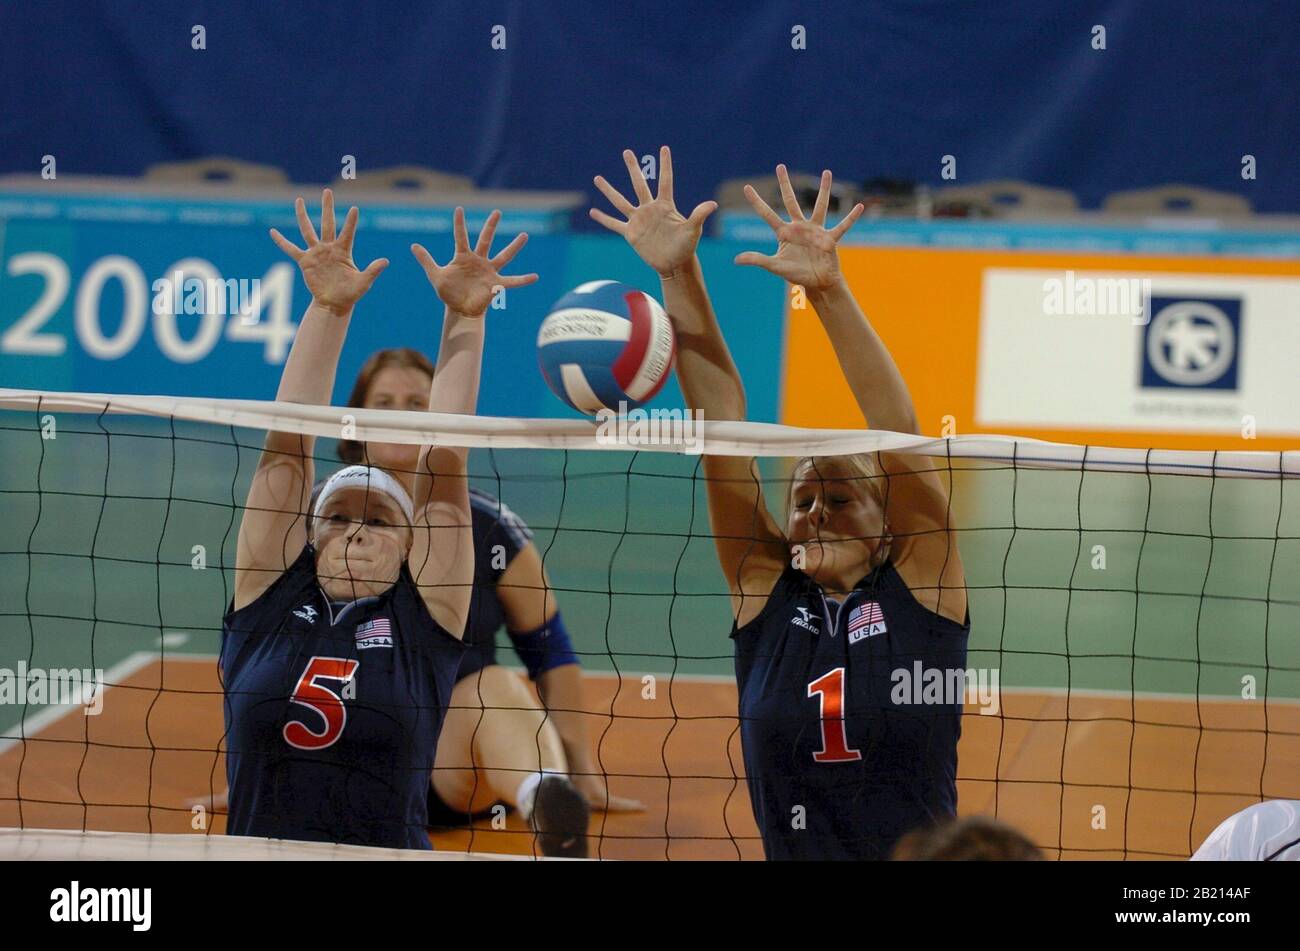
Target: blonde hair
{"x":864,"y":467}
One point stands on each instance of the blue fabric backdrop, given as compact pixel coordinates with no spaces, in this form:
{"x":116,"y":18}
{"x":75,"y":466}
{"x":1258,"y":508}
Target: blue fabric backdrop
{"x":1181,"y":92}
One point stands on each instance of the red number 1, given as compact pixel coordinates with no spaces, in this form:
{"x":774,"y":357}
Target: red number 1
{"x":835,"y":744}
{"x":323,"y":700}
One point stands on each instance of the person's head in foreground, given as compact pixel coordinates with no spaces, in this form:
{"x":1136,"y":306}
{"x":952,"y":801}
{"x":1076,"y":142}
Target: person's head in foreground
{"x":835,"y":522}
{"x":361,"y":530}
{"x":1265,"y":832}
{"x":395,"y":378}
{"x":972,"y":839}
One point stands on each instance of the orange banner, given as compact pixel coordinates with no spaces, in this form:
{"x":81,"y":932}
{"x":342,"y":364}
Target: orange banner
{"x":926,"y":304}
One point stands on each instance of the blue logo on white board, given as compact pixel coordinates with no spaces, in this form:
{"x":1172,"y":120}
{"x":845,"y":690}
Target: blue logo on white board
{"x":1192,"y":343}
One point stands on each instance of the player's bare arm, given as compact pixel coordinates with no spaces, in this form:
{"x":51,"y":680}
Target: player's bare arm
{"x":442,"y":552}
{"x":918,"y":508}
{"x":274,"y":527}
{"x":751,"y":547}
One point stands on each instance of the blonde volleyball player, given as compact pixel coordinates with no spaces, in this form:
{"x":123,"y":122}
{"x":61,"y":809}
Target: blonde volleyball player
{"x":498,"y":744}
{"x":863,"y":578}
{"x":342,"y":643}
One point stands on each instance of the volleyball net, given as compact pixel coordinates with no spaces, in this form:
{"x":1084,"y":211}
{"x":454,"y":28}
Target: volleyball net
{"x":1133,"y":673}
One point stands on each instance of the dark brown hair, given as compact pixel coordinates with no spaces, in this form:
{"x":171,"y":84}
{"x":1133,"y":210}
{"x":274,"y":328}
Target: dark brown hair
{"x":973,"y":839}
{"x":401,"y":357}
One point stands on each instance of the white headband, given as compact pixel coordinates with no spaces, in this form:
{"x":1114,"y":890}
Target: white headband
{"x":370,"y":478}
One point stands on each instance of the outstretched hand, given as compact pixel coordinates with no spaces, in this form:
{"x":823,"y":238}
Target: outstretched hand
{"x":326,"y":263}
{"x":805,"y":254}
{"x":654,"y":227}
{"x":468,"y":281}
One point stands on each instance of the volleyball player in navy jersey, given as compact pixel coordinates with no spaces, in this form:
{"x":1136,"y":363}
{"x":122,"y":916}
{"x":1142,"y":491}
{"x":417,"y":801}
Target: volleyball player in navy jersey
{"x":863,"y":583}
{"x":343,"y":640}
{"x":498,"y":744}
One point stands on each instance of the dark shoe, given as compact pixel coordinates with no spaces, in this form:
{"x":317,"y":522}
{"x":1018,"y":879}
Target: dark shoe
{"x":560,"y":815}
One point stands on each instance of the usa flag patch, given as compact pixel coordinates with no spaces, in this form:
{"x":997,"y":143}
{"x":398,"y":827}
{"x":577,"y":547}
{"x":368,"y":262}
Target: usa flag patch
{"x":866,"y":620}
{"x":376,"y":633}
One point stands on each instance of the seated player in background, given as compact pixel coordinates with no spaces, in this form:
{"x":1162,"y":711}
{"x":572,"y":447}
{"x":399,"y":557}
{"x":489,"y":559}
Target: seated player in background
{"x":863,"y":579}
{"x":341,"y":645}
{"x":1265,"y":832}
{"x":498,"y":744}
{"x":973,"y":839}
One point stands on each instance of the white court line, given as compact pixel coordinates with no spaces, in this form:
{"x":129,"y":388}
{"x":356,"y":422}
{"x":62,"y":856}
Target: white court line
{"x":138,"y":660}
{"x":44,"y":718}
{"x":728,"y":679}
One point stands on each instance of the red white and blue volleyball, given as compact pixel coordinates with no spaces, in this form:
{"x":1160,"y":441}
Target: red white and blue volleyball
{"x":605,"y":346}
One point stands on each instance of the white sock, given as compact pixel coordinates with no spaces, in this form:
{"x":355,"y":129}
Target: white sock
{"x":527,"y":793}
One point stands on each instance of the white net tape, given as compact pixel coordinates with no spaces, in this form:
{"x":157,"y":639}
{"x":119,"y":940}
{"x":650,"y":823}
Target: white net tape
{"x":65,"y":844}
{"x":721,"y":438}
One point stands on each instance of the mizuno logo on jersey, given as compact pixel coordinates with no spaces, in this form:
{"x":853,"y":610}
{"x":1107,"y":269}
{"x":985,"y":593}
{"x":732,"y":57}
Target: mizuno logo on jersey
{"x":806,"y":620}
{"x":307,"y":613}
{"x":376,"y":633}
{"x":866,"y":620}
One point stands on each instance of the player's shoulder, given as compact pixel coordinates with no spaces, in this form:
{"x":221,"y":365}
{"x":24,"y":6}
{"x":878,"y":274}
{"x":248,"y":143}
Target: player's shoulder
{"x":489,"y":512}
{"x":273,"y":600}
{"x":786,"y":590}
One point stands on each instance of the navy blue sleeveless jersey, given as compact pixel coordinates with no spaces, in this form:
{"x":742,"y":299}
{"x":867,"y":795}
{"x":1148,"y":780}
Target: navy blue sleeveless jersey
{"x":844,"y":752}
{"x":499,"y":535}
{"x":333,"y":711}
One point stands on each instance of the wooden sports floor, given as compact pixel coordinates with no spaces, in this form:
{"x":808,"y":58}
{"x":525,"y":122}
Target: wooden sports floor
{"x":1088,"y":776}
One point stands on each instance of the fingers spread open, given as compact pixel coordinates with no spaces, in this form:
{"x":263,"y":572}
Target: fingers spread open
{"x":327,"y":215}
{"x":610,"y":222}
{"x":838,"y":231}
{"x":614,"y":195}
{"x":763,"y":208}
{"x":459,"y":230}
{"x":507,"y":254}
{"x":665,"y":173}
{"x":375,"y":268}
{"x":426,"y":259}
{"x":787,"y":194}
{"x":485,"y":236}
{"x":516,"y":280}
{"x":823,"y":199}
{"x":304,"y":224}
{"x":753,"y":257}
{"x":638,"y":179}
{"x":701,"y":212}
{"x":287,"y":246}
{"x":349,"y":231}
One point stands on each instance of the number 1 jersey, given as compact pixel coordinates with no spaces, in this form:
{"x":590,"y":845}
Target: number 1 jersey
{"x":846,"y":744}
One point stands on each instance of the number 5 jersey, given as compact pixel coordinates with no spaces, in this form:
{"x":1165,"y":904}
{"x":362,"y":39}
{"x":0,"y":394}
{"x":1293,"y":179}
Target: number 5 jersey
{"x":333,"y":711}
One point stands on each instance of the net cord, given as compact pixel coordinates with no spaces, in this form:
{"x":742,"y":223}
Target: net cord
{"x":716,"y":437}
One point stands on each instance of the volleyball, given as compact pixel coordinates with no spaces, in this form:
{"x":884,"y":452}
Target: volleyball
{"x":605,"y":345}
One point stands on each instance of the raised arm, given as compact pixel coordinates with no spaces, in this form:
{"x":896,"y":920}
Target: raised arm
{"x":751,"y":546}
{"x":274,"y":527}
{"x":442,"y":550}
{"x":918,"y":510}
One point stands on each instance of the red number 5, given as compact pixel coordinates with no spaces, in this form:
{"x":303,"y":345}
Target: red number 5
{"x":324,"y":701}
{"x":835,"y":743}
